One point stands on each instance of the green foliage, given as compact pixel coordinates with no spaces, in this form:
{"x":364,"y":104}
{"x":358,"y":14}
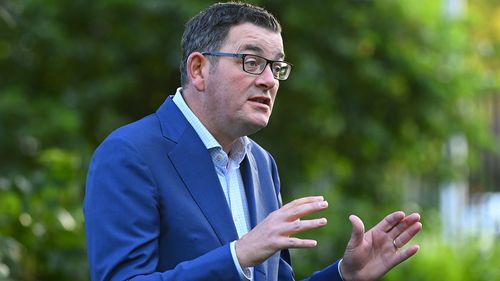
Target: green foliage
{"x":439,"y":259}
{"x":42,"y":234}
{"x":377,"y":90}
{"x":370,"y":95}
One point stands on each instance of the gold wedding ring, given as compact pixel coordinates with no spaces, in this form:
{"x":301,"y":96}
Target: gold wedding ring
{"x":394,"y":243}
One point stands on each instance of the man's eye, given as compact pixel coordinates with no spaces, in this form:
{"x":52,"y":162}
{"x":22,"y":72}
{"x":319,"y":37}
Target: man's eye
{"x":251,"y":63}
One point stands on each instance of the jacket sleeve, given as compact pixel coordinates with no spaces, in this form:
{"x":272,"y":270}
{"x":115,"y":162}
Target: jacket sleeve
{"x":122,"y":223}
{"x":330,"y":273}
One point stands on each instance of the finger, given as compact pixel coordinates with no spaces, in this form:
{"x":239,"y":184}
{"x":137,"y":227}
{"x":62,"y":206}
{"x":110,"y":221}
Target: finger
{"x":301,"y":201}
{"x":358,"y":231}
{"x":296,"y":243}
{"x":404,"y":224}
{"x":390,"y":221}
{"x":407,"y":235}
{"x":299,"y":226}
{"x":410,"y":252}
{"x":300,"y":208}
{"x":404,"y":255}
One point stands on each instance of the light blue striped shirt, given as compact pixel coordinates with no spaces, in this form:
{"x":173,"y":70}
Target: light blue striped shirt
{"x":228,"y":172}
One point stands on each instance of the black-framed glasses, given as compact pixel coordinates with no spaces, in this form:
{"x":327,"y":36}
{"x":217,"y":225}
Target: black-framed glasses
{"x":255,"y":64}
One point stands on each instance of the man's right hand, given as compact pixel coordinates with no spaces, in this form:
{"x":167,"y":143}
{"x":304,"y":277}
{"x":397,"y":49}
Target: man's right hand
{"x":275,"y":232}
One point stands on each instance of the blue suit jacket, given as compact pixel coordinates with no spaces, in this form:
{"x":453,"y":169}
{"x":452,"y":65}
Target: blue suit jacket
{"x":154,"y":208}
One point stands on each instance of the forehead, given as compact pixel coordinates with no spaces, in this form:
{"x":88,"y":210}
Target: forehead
{"x":254,"y":39}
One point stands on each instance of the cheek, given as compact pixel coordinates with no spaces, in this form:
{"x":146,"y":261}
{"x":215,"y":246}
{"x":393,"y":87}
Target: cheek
{"x":274,"y":94}
{"x":225,"y":104}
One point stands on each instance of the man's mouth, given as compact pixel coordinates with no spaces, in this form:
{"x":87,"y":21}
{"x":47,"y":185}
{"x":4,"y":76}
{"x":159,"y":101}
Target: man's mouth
{"x":262,"y":100}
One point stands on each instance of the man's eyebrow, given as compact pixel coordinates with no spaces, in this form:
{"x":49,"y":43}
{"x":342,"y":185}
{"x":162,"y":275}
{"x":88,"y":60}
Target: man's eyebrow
{"x":259,"y":51}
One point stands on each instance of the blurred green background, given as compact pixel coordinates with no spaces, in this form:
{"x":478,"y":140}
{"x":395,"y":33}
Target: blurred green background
{"x":391,"y":105}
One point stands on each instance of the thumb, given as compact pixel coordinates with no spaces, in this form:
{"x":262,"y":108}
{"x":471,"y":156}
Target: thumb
{"x":358,"y":231}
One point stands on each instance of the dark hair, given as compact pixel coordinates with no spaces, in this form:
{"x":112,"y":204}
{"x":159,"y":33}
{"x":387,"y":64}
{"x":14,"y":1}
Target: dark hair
{"x":208,"y":30}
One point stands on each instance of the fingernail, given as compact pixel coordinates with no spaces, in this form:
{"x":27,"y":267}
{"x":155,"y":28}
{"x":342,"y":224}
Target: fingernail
{"x":322,"y":221}
{"x":323,"y":204}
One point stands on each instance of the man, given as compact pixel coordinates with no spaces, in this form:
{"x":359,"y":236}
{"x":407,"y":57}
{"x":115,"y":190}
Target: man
{"x":184,"y":194}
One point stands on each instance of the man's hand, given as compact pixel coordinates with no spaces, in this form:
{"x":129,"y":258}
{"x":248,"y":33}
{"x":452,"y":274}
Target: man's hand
{"x":274,"y":232}
{"x":370,"y":255}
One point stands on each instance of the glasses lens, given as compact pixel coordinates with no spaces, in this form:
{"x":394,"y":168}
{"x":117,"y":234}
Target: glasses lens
{"x":254,"y":64}
{"x":281,"y":70}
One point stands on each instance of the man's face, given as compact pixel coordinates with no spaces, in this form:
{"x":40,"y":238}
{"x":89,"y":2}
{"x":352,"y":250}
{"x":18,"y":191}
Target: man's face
{"x":239,"y":103}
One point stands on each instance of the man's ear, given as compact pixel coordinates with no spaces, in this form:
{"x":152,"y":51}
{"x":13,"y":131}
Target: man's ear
{"x":196,"y":70}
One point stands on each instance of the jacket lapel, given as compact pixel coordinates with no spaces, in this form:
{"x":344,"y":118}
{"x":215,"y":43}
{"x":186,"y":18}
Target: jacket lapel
{"x":195,"y":167}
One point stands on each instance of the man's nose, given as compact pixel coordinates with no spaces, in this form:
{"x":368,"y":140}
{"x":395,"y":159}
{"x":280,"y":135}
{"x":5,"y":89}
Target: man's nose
{"x":266,"y":78}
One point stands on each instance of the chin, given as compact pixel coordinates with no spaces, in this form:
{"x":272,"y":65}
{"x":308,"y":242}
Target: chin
{"x":254,"y":127}
{"x":259,"y":126}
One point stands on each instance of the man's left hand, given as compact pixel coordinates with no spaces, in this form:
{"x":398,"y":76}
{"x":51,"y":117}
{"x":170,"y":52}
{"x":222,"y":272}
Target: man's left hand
{"x":370,"y":255}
